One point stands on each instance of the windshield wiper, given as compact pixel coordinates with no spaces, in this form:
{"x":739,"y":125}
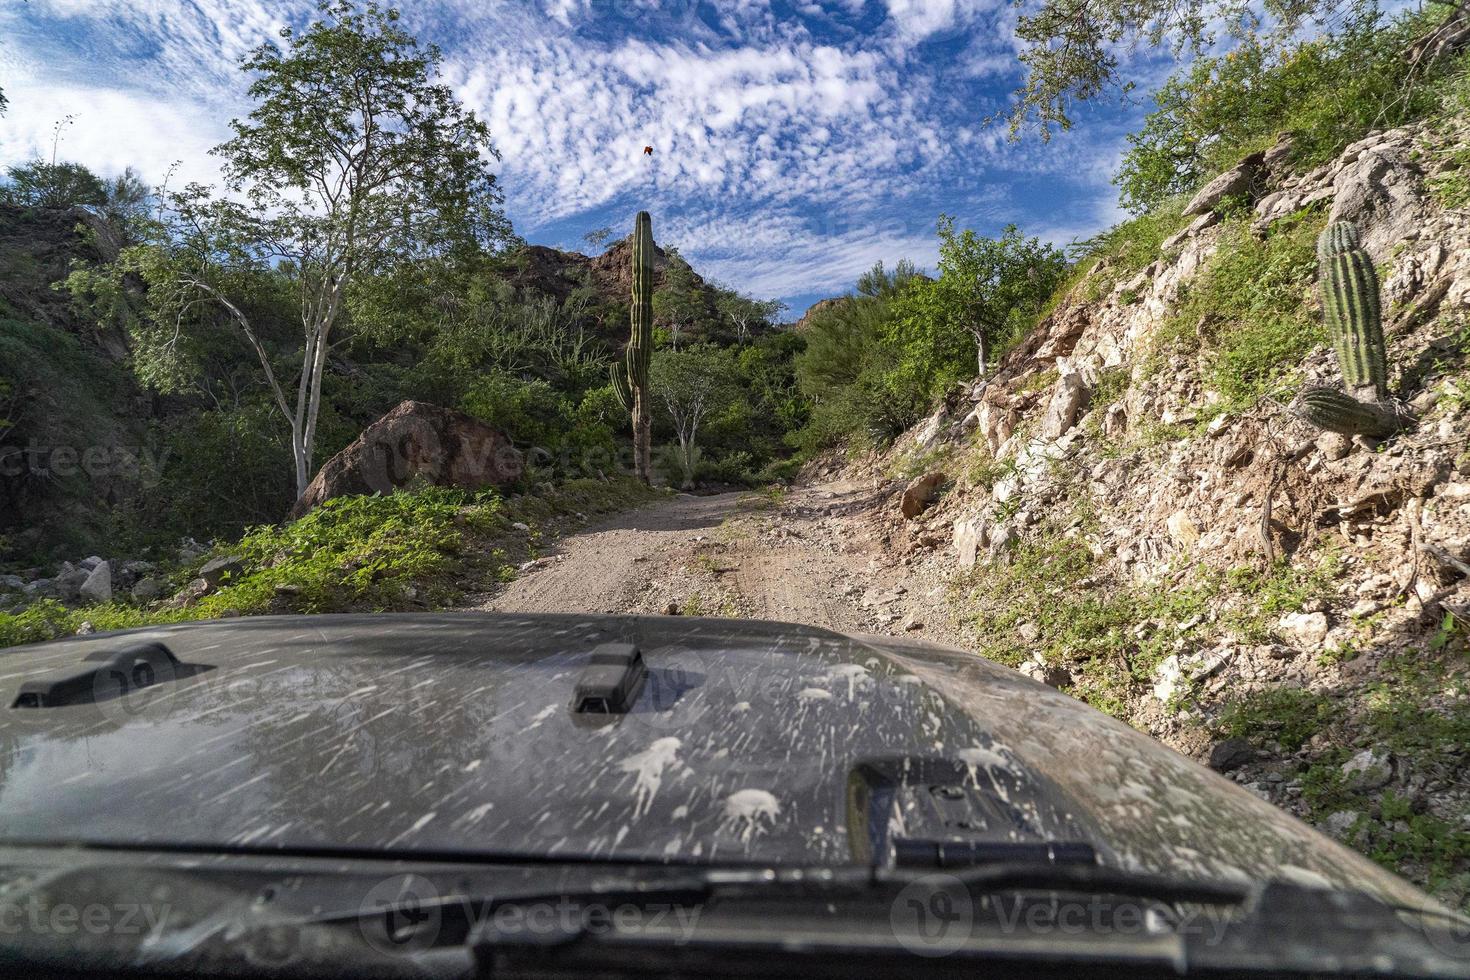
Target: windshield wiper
{"x":455,"y":916}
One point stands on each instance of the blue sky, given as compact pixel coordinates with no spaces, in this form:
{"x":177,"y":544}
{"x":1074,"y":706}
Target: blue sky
{"x":795,"y":143}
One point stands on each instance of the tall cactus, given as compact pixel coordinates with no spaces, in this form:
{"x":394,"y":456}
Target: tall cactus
{"x":1354,"y":317}
{"x":640,"y":343}
{"x":621,"y":388}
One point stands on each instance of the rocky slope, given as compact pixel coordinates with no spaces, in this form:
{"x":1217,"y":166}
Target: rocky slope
{"x":1285,"y":604}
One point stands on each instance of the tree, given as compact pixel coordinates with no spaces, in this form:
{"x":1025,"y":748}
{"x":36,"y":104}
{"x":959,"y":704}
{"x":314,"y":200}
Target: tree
{"x":879,"y":283}
{"x":989,"y":289}
{"x":353,"y":162}
{"x":744,"y":312}
{"x":1070,"y":48}
{"x":597,"y":236}
{"x":55,"y":185}
{"x":692,"y":384}
{"x":680,"y":303}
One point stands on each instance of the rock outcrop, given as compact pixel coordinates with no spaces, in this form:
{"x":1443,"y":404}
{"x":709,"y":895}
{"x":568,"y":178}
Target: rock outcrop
{"x":1102,"y":438}
{"x":416,"y":442}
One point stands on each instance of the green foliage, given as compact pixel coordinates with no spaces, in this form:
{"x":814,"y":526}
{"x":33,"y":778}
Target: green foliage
{"x":679,"y":305}
{"x":222,"y":471}
{"x":557,"y":432}
{"x":407,"y":550}
{"x":1325,"y":92}
{"x":745,"y":313}
{"x":1102,"y":261}
{"x":1112,"y":641}
{"x":875,"y":361}
{"x":1287,"y":715}
{"x":1451,"y":186}
{"x":692,"y":386}
{"x":372,"y":137}
{"x":845,"y":369}
{"x":1249,"y":310}
{"x":64,"y":438}
{"x":988,"y":293}
{"x":54,"y":185}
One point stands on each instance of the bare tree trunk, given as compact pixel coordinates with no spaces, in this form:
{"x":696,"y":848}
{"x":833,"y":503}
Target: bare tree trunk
{"x":980,"y":352}
{"x":686,"y":461}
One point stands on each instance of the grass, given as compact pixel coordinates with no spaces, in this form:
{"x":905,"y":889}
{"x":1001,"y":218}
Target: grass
{"x":1287,"y":715}
{"x":1095,"y":632}
{"x":408,"y":550}
{"x":1114,"y":639}
{"x":769,"y":497}
{"x":1417,"y":710}
{"x":1451,"y":186}
{"x":1249,"y":312}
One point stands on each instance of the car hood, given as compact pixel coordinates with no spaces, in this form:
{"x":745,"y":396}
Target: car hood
{"x":446,"y":734}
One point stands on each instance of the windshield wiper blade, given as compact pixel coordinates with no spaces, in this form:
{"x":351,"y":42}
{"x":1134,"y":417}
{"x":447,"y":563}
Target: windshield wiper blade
{"x":822,"y":883}
{"x":1096,"y":879}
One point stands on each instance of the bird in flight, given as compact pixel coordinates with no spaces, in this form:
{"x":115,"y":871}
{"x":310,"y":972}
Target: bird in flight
{"x":648,"y":151}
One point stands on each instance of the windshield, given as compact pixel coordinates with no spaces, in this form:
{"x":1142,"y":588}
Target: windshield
{"x":869,"y":436}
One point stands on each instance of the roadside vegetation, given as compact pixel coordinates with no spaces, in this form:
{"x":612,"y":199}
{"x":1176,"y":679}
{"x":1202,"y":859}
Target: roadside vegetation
{"x":417,"y":549}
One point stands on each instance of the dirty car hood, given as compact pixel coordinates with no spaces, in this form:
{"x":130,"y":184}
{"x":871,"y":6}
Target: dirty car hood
{"x":455,"y":734}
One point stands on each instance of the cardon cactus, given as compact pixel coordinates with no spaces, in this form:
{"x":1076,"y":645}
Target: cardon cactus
{"x":1355,"y":320}
{"x":640,"y":344}
{"x":1350,"y":302}
{"x":621,"y":388}
{"x":1337,"y":411}
{"x":1338,"y":237}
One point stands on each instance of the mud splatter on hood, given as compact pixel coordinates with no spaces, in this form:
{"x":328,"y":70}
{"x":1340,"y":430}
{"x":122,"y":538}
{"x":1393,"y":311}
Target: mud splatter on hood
{"x":746,"y":741}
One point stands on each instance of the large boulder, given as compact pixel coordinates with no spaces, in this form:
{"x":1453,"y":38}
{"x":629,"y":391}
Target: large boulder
{"x":98,"y":586}
{"x":1066,"y":401}
{"x":921,"y":493}
{"x":1238,"y":180}
{"x":416,"y":441}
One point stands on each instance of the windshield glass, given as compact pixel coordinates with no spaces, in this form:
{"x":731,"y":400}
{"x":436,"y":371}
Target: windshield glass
{"x":903,"y":435}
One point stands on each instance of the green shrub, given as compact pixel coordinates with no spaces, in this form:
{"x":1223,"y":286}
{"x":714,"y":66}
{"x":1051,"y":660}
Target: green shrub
{"x":408,"y":550}
{"x":1327,"y":92}
{"x":1287,"y":715}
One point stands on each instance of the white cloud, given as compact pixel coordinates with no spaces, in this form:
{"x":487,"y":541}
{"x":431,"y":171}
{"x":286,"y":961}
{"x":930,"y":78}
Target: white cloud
{"x":112,"y":129}
{"x":783,"y":145}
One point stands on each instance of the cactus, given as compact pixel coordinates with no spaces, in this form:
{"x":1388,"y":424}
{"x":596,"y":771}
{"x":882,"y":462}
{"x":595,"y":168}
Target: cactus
{"x":1336,"y":411}
{"x":1350,"y":302}
{"x":1354,"y":317}
{"x":640,"y":343}
{"x":1338,"y":237}
{"x":621,"y":389}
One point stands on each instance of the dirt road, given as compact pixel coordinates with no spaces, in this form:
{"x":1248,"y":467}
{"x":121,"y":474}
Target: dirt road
{"x":801,"y":558}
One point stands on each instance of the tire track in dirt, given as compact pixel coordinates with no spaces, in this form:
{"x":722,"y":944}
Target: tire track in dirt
{"x":804,"y":558}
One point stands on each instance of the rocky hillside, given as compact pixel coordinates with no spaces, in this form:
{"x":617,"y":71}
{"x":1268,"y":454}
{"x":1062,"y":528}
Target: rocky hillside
{"x":552,"y":272}
{"x":1129,"y":510}
{"x":72,"y":429}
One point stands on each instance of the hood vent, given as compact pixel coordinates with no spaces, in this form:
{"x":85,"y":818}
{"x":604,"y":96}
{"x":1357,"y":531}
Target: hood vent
{"x":610,"y":682}
{"x":105,"y":675}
